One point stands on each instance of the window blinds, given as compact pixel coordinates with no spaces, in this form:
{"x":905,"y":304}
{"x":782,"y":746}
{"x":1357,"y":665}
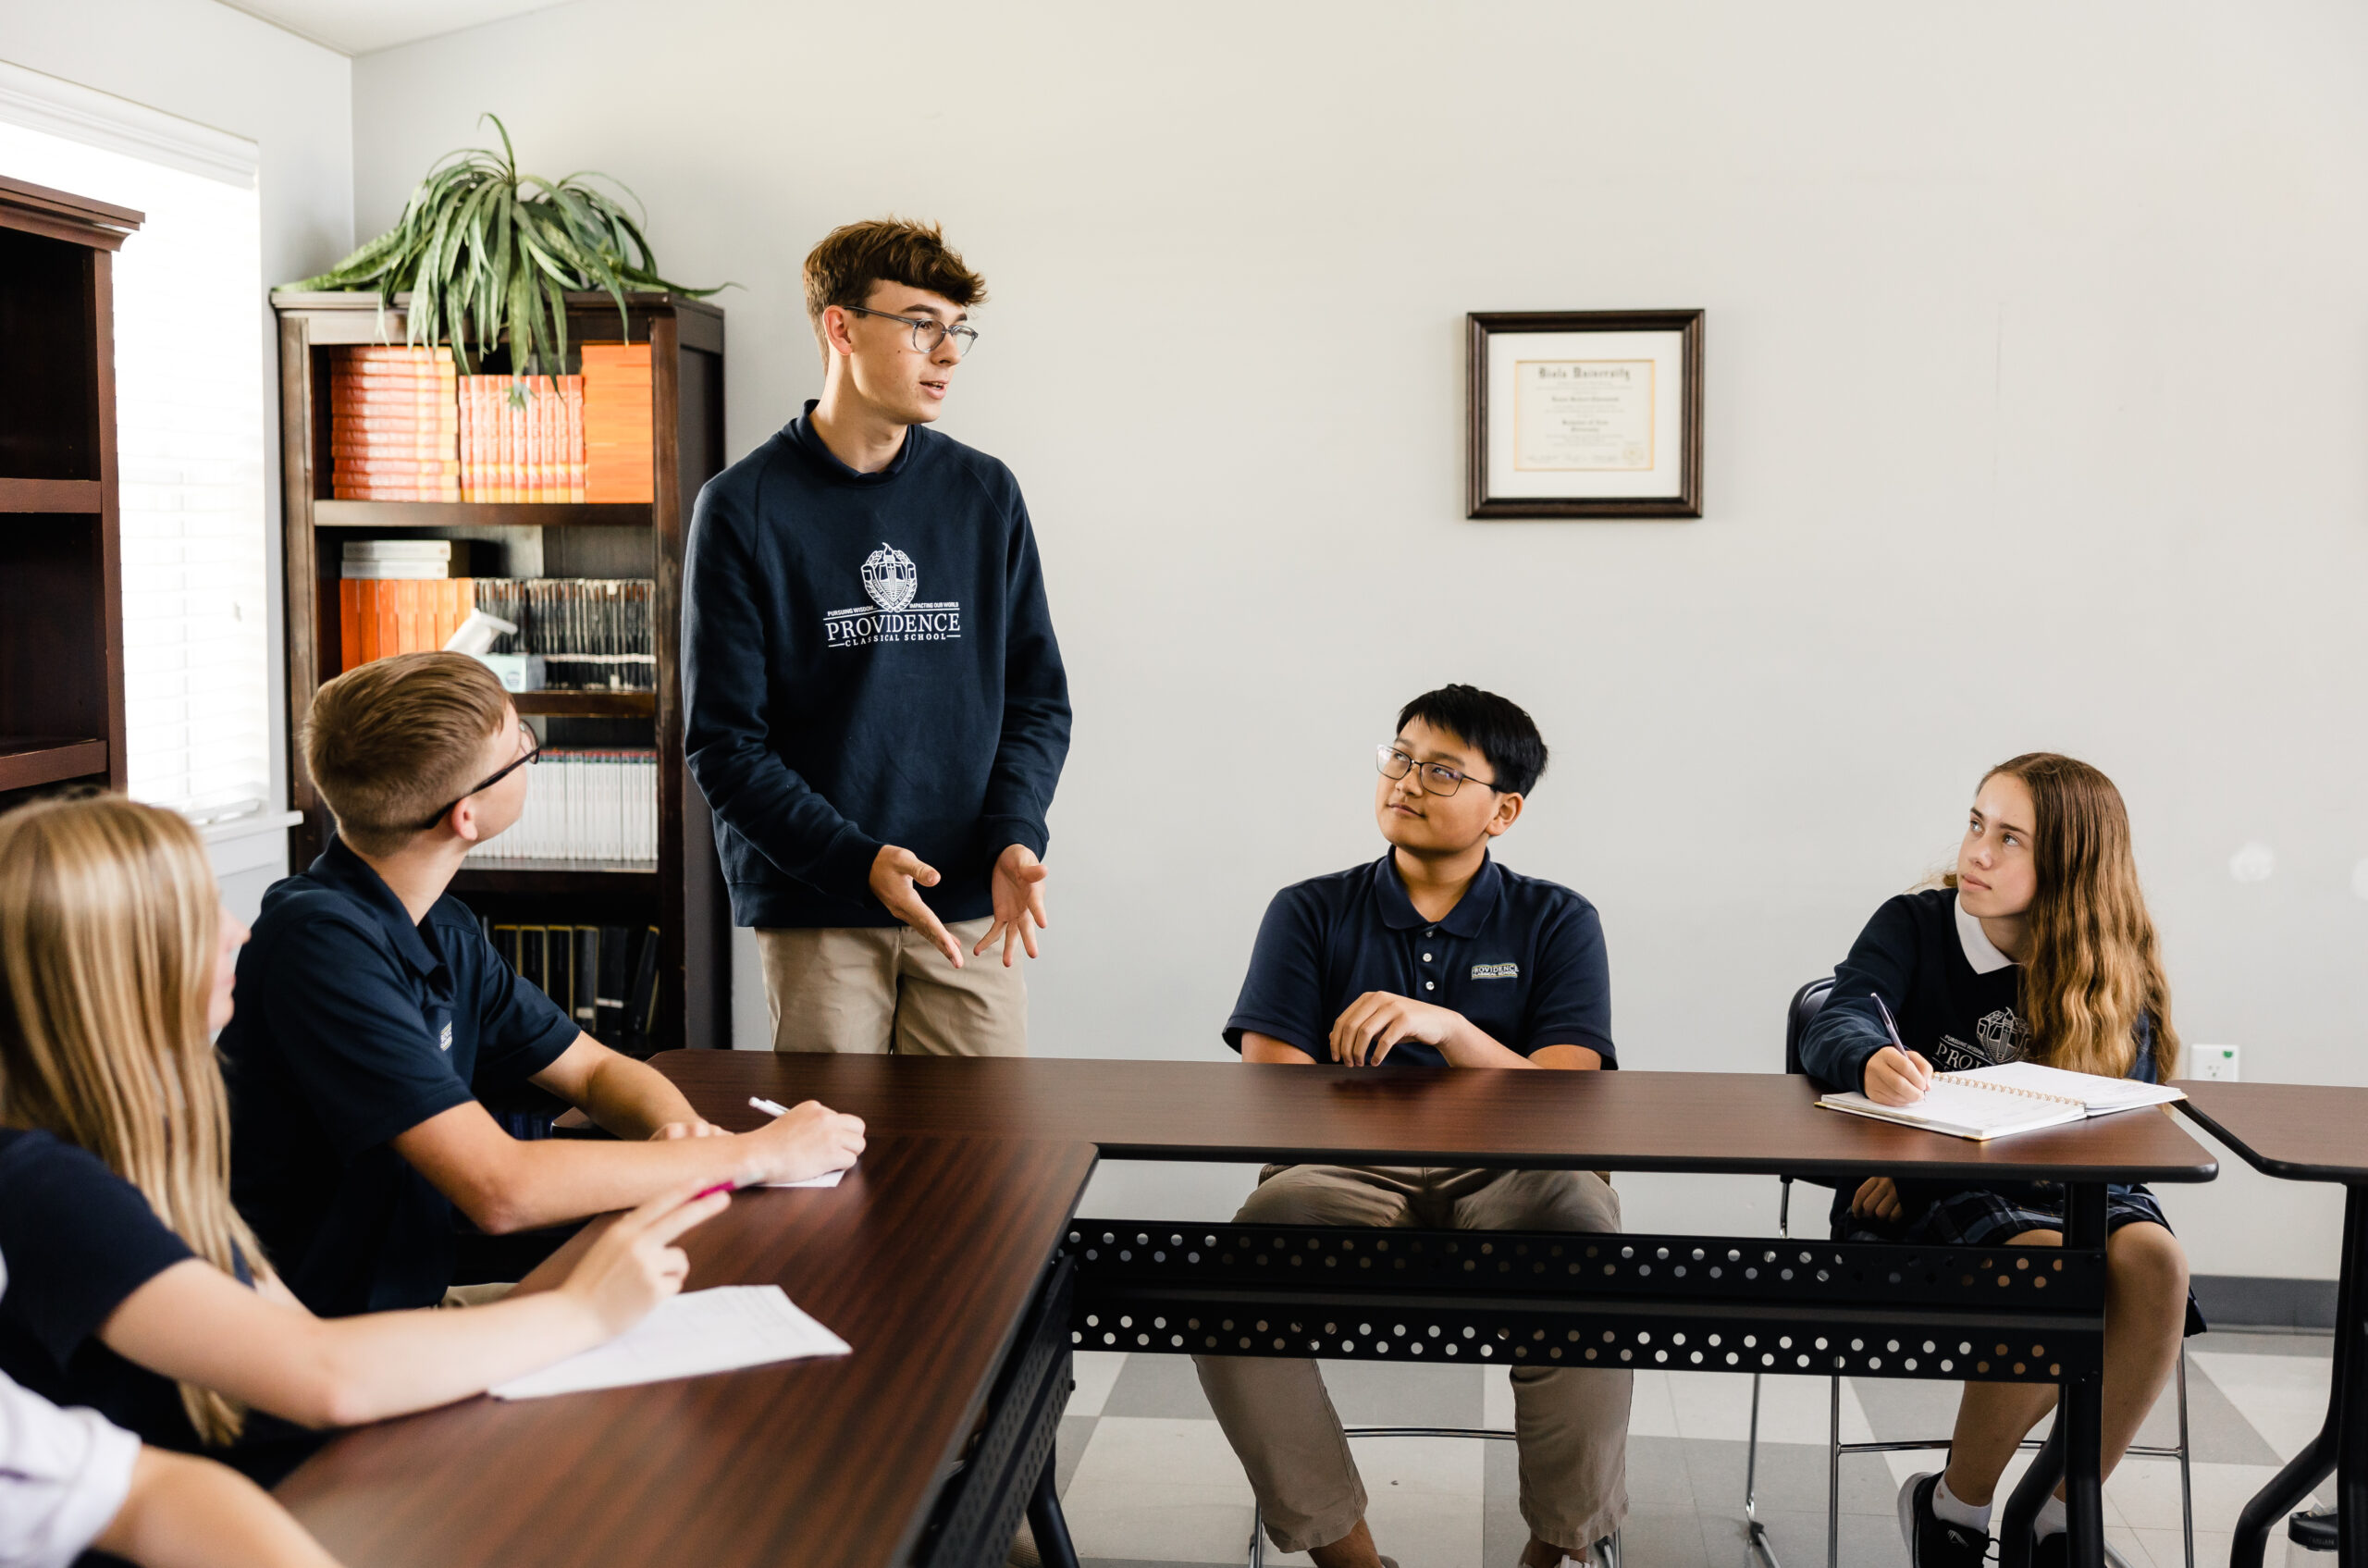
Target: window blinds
{"x":190,"y":431}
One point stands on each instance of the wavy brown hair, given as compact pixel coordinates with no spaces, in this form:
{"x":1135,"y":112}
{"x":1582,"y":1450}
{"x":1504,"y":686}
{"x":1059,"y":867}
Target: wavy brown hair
{"x":108,"y":923}
{"x":2092,"y":965}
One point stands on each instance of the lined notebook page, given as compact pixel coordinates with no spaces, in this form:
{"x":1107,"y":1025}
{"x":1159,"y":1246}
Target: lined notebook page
{"x":695,"y":1333}
{"x":1964,"y":1110}
{"x":2101,"y":1095}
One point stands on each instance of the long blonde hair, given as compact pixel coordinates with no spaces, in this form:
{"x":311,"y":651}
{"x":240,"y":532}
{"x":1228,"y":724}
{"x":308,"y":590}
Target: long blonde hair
{"x":108,"y":923}
{"x":2093,"y":967}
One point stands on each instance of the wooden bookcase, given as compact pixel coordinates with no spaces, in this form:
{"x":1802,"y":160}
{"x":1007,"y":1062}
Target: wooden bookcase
{"x":683,"y":894}
{"x":61,"y":562}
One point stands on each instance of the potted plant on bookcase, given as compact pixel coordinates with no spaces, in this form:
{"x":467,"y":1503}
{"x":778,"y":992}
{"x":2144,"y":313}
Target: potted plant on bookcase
{"x":489,"y":255}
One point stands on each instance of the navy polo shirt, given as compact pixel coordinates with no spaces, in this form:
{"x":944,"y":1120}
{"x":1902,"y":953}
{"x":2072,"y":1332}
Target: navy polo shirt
{"x":354,"y":1025}
{"x":1520,"y":957}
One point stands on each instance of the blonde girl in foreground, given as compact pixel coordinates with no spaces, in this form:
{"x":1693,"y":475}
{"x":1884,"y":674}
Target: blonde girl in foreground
{"x":134,"y":1287}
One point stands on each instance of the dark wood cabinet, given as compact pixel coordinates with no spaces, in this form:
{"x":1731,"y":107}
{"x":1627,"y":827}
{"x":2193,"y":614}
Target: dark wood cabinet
{"x":682,"y":895}
{"x":61,"y":588}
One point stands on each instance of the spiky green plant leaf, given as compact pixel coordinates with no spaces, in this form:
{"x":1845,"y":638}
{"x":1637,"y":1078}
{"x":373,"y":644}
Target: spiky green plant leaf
{"x":489,"y":255}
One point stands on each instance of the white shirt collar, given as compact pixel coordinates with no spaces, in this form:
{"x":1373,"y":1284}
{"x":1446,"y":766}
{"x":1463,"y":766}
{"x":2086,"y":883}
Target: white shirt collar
{"x":1979,"y":951}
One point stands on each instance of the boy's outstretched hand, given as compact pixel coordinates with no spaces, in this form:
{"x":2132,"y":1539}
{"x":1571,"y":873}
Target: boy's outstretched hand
{"x":1018,"y":885}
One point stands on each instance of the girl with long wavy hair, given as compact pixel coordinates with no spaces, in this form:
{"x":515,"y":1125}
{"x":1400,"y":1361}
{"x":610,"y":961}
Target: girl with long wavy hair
{"x":2038,"y":948}
{"x":135,"y":1288}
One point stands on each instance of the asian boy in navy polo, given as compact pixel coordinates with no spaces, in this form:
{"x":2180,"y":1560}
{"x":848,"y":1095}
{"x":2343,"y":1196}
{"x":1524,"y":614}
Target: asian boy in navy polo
{"x":372,"y":1012}
{"x":1433,"y":955}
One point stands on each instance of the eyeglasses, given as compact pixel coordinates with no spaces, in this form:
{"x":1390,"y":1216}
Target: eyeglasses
{"x":534,"y":753}
{"x":1436,"y":779}
{"x":965,"y":338}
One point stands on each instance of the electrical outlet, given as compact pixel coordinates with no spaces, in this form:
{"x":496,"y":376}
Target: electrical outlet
{"x":2212,"y":1064}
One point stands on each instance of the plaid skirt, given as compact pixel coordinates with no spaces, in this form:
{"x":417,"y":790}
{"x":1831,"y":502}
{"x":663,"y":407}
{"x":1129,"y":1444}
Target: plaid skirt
{"x":1980,"y":1216}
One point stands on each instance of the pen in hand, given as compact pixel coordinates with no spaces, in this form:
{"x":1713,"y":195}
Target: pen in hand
{"x":770,"y":1108}
{"x":1905,"y":1084}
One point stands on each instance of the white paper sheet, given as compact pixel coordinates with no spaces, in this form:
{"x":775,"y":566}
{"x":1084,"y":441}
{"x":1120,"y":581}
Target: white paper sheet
{"x":828,"y":1179}
{"x":695,"y":1333}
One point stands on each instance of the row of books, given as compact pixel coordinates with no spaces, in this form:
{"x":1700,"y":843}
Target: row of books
{"x":585,"y":805}
{"x":379,"y":617}
{"x":594,"y":634}
{"x":606,"y":977}
{"x":405,"y":426}
{"x":394,"y":425}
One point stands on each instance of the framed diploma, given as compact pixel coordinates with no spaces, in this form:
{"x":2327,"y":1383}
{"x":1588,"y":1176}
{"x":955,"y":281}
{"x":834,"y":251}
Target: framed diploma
{"x":1585,"y":413}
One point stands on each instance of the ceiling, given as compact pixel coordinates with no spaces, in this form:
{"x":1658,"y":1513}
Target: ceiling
{"x":357,"y":26}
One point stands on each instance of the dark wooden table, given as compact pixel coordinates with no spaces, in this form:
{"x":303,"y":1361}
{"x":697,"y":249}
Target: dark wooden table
{"x":2306,"y":1132}
{"x":925,"y":1259}
{"x":1742,"y":1304}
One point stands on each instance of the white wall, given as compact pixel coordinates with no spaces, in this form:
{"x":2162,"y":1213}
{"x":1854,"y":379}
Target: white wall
{"x":205,"y":62}
{"x":2035,"y":388}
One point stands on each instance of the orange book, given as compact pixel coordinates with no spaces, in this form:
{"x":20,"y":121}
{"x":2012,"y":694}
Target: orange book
{"x":365,"y":619}
{"x":574,"y":398}
{"x":616,"y":416}
{"x":349,"y":624}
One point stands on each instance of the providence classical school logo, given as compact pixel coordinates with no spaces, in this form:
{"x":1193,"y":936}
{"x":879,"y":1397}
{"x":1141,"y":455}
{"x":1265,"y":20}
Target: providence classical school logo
{"x":892,"y":583}
{"x":890,"y":578}
{"x":2002,"y":1035}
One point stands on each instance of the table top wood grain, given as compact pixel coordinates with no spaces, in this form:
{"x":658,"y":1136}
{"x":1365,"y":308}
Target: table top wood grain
{"x":1623,"y":1120}
{"x":923,"y":1259}
{"x":2297,"y":1132}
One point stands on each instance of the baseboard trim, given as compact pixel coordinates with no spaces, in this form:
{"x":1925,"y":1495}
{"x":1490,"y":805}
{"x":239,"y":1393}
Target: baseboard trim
{"x":2245,"y":1301}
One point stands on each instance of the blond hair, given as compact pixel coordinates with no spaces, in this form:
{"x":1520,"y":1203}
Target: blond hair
{"x":393,"y":740}
{"x":108,"y":925}
{"x":2093,"y":968}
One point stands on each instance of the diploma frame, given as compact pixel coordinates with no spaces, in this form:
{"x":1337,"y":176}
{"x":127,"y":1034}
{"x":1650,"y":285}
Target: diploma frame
{"x":1492,"y":336}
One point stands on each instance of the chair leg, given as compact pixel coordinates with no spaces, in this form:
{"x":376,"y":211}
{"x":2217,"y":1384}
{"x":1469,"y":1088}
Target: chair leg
{"x":2187,"y":1486}
{"x":1257,"y":1539}
{"x":1833,"y":1477}
{"x":1755,"y":1532}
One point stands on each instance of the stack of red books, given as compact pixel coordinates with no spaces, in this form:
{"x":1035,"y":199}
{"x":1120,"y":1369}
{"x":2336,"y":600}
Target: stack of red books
{"x":394,"y":425}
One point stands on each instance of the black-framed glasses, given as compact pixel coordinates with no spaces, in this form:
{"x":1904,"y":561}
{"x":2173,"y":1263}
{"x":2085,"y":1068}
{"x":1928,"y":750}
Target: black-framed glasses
{"x":533,"y":753}
{"x":965,"y":338}
{"x":1436,"y":778}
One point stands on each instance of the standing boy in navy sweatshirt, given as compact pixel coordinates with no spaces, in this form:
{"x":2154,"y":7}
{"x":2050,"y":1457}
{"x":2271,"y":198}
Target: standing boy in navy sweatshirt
{"x":877,"y":711}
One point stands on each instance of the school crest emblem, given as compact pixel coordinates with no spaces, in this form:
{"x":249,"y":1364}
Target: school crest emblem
{"x":2003,"y":1035}
{"x":890,"y":577}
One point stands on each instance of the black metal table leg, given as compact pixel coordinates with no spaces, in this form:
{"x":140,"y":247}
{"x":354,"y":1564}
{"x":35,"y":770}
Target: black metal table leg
{"x":2342,"y":1440}
{"x":2073,"y":1450}
{"x":1048,"y":1525}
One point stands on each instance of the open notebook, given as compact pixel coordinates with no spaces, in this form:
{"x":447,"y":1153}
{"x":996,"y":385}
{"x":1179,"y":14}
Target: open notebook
{"x":698,"y":1332}
{"x":2013,"y":1097}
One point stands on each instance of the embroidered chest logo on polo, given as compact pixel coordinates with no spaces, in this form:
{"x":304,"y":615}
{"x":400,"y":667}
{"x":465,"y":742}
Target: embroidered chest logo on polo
{"x":893,"y":583}
{"x":445,"y":1042}
{"x":1495,"y":971}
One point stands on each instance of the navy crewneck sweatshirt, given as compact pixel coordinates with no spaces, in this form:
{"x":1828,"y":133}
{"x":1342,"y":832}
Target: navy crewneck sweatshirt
{"x":867,"y":659}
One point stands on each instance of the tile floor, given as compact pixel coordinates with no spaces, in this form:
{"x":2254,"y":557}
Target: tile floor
{"x":1146,"y":1476}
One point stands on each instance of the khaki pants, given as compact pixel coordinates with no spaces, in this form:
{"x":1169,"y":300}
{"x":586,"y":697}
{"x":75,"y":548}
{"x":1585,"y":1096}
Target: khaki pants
{"x":1572,"y":1422}
{"x":885,"y":991}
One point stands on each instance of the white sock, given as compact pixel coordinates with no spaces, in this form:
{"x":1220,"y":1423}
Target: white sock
{"x":2050,"y":1518}
{"x":1947,"y":1505}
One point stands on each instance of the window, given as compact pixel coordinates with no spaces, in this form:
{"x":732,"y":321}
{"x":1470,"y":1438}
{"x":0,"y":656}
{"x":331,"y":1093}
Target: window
{"x":189,"y":363}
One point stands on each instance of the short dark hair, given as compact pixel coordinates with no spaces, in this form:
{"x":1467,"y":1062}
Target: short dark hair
{"x":853,"y":257}
{"x":1492,"y":725}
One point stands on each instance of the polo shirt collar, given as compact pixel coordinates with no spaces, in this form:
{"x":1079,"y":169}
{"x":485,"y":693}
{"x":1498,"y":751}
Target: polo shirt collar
{"x":1398,"y":911}
{"x":341,"y":868}
{"x":818,"y":451}
{"x":1979,"y":951}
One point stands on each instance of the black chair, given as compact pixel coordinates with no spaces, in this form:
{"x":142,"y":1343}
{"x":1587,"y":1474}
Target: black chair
{"x":1807,"y":1003}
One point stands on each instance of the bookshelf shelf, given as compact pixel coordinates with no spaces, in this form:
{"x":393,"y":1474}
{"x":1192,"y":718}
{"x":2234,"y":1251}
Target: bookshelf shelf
{"x":480,"y":514}
{"x":27,"y":762}
{"x":682,"y":894}
{"x":566,"y":877}
{"x":55,"y":496}
{"x":61,"y":556}
{"x":588,"y":704}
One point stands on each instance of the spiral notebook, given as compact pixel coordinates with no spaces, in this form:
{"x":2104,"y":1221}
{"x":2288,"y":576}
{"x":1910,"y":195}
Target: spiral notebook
{"x":2013,"y":1097}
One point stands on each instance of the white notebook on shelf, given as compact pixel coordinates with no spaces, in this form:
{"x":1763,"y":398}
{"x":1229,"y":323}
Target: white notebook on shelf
{"x":2013,"y":1097}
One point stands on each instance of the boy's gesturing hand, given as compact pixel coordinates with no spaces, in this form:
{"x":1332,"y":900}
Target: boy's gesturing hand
{"x":894,"y":873}
{"x":1370,"y":1026}
{"x":811,"y":1140}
